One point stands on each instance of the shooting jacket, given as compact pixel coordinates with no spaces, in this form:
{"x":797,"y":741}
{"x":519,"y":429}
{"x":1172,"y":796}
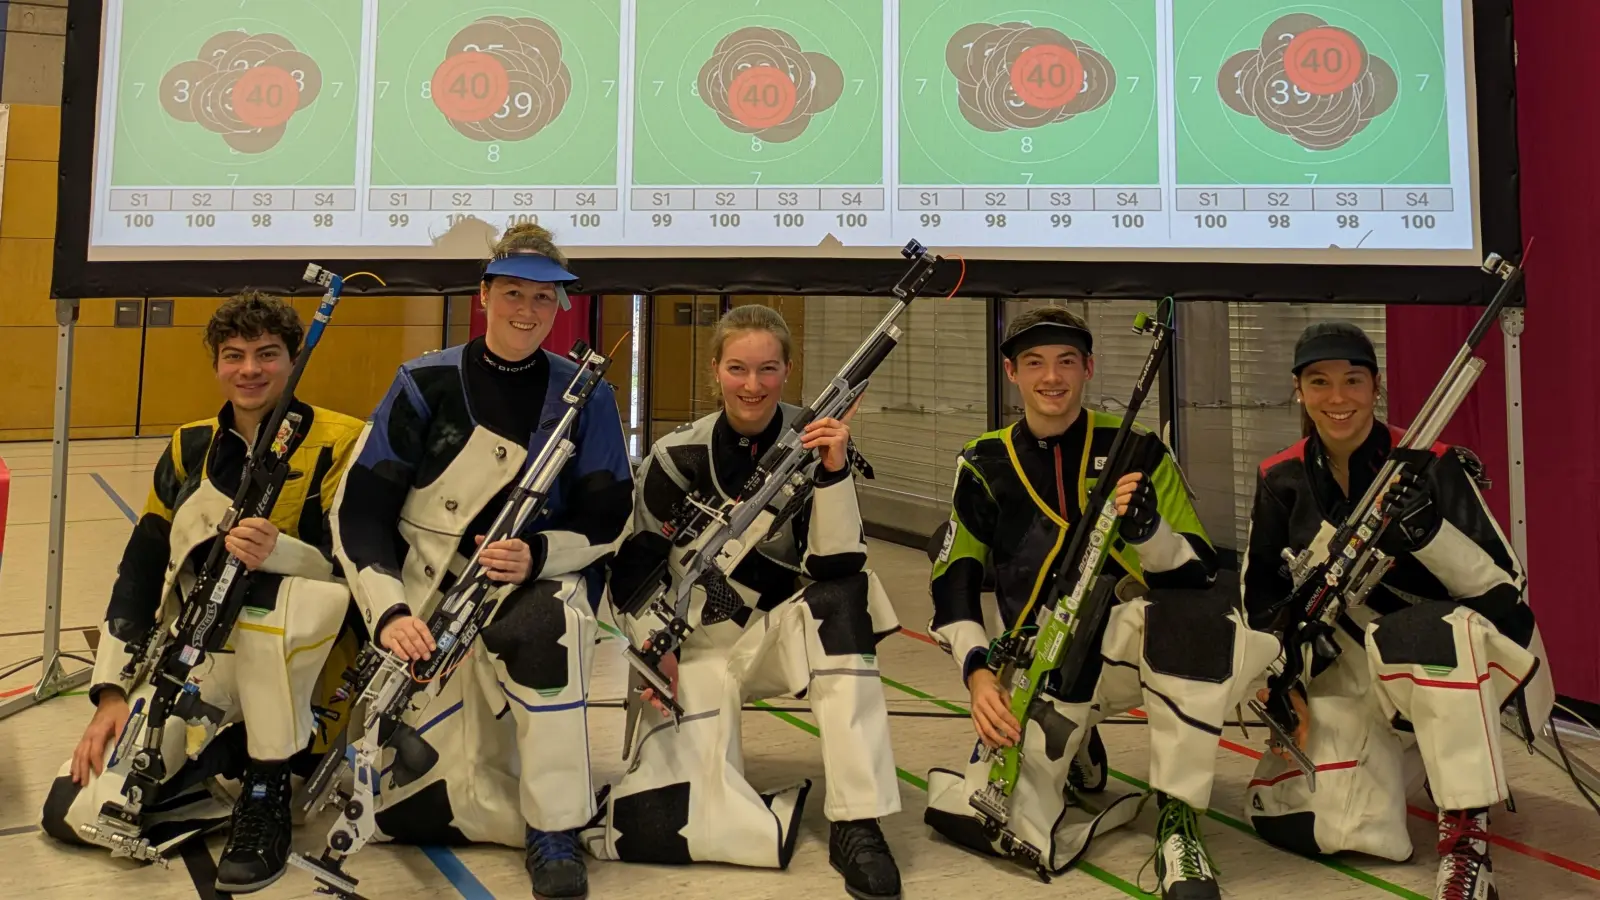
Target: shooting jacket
{"x":1016,"y":498}
{"x":194,"y":484}
{"x":1299,"y":504}
{"x":428,"y":476}
{"x":823,"y":539}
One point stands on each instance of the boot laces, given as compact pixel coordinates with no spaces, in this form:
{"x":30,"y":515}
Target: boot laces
{"x":1460,"y":836}
{"x":261,"y":809}
{"x":553,"y":846}
{"x":865,"y":838}
{"x":1179,"y":827}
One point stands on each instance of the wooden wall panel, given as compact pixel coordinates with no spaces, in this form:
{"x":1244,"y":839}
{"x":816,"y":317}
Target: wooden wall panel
{"x":179,"y":385}
{"x":35,"y":132}
{"x":25,"y":265}
{"x":355,"y":364}
{"x":681,"y":387}
{"x":103,"y":393}
{"x":28,"y":206}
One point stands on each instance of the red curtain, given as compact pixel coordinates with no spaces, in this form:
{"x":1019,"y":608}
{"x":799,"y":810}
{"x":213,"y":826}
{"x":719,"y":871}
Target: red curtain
{"x":571,"y":325}
{"x":1558,"y":128}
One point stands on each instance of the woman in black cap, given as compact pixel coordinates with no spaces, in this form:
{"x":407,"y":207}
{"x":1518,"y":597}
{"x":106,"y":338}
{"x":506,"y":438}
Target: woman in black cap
{"x":1440,"y":646}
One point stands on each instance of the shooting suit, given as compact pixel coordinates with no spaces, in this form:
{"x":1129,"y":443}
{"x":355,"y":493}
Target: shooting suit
{"x":435,"y":466}
{"x":1181,"y":654}
{"x":1441,"y":646}
{"x":293,"y":618}
{"x":760,"y":635}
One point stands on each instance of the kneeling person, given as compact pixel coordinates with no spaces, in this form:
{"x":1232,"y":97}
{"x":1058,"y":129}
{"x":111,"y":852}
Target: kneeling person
{"x":435,"y":467}
{"x":1443,"y":643}
{"x":1184,"y":656}
{"x":801,"y":615}
{"x":268,"y":677}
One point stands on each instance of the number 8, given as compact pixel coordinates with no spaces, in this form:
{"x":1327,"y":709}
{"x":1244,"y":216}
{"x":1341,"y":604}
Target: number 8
{"x":427,"y":90}
{"x":494,"y":153}
{"x":1027,"y":145}
{"x":755,"y":143}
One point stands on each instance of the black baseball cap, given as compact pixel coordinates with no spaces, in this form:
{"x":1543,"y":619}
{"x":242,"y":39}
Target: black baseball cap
{"x":1334,"y":340}
{"x":1047,"y":333}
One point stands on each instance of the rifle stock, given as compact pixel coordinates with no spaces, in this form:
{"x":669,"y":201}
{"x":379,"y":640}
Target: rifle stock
{"x":1353,"y":564}
{"x":387,"y":687}
{"x":716,"y":535}
{"x":1067,"y":625}
{"x":206,"y":616}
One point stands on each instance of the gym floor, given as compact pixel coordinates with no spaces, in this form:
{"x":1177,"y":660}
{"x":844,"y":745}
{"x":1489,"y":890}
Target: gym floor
{"x":1547,"y":849}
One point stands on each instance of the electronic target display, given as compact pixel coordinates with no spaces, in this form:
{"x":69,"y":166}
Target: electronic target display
{"x":759,"y":123}
{"x":1250,"y":130}
{"x":1030,"y":127}
{"x":1320,"y":125}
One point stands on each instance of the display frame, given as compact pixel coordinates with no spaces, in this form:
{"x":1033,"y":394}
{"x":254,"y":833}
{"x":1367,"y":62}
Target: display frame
{"x":75,"y":276}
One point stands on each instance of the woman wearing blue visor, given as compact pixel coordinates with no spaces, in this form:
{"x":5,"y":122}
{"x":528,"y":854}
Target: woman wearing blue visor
{"x":433,"y":468}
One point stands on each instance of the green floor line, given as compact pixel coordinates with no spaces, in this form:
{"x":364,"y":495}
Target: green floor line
{"x":1335,"y":865}
{"x":1087,"y":867}
{"x":921,"y":785}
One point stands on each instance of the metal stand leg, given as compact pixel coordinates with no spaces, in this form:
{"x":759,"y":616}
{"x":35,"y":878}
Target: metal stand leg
{"x":1511,"y":323}
{"x":52,"y":679}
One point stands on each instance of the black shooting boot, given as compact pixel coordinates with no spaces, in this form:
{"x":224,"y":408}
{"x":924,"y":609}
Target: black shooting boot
{"x":555,"y":864}
{"x":859,"y":853}
{"x":258,"y":844}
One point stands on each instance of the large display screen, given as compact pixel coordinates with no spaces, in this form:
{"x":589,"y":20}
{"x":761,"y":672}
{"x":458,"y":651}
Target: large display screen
{"x":1249,"y":130}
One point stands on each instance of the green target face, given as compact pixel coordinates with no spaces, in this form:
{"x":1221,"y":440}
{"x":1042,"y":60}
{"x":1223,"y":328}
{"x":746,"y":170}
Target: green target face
{"x":1269,"y":92}
{"x":212,"y":94}
{"x":493,"y":94}
{"x":748,"y":92}
{"x":996,"y":92}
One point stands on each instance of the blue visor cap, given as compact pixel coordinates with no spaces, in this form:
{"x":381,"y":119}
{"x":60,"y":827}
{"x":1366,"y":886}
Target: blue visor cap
{"x":534,"y":267}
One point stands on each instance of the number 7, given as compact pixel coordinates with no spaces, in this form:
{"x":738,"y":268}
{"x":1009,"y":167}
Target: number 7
{"x":922,"y":85}
{"x":383,"y":88}
{"x":659,"y":85}
{"x":610,"y":84}
{"x":1196,"y":79}
{"x":1424,"y":85}
{"x":140,"y":92}
{"x":859,"y":82}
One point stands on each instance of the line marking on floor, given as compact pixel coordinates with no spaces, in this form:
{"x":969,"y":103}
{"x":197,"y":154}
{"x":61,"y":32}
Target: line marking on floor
{"x":115,"y":497}
{"x":1515,"y":846}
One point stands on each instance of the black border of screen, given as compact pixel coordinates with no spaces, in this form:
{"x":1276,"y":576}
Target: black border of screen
{"x":75,"y":277}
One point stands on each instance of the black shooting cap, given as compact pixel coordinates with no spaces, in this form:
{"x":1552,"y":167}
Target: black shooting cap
{"x":1334,"y":340}
{"x":1045,"y":333}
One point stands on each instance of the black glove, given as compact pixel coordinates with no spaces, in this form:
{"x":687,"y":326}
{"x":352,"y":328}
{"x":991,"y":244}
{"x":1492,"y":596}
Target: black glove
{"x":1414,"y":518}
{"x":1140,"y":521}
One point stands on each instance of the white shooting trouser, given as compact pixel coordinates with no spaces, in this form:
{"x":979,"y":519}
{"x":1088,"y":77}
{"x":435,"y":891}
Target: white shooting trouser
{"x":1187,"y":663}
{"x":268,"y":682}
{"x":510,"y":727}
{"x":1421,"y":697}
{"x":685,"y":797}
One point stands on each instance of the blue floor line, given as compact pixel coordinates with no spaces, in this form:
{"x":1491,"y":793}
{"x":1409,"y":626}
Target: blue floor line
{"x":115,"y":497}
{"x":451,"y":866}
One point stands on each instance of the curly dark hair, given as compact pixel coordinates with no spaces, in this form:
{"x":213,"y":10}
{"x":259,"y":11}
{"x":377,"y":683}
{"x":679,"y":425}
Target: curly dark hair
{"x":251,"y":315}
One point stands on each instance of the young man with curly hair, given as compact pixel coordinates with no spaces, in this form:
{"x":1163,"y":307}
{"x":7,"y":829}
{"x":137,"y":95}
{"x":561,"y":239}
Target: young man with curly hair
{"x":267,"y":676}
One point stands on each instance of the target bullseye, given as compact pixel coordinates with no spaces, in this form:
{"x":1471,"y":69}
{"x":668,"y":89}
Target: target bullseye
{"x":265,"y":97}
{"x":470,"y":87}
{"x":1046,"y":76}
{"x":1324,"y":61}
{"x":761,"y":97}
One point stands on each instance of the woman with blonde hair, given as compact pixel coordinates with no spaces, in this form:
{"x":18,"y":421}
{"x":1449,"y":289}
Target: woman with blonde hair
{"x":800,"y":615}
{"x":436,"y":464}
